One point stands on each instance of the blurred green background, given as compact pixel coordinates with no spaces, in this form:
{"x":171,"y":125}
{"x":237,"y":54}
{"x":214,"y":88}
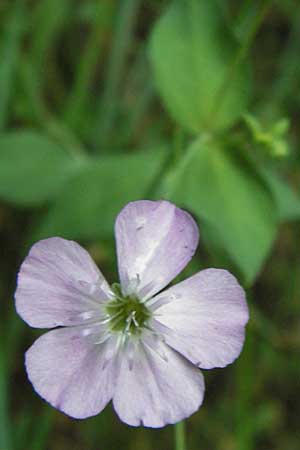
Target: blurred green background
{"x":195,"y":101}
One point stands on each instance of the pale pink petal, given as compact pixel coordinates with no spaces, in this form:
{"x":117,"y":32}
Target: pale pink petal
{"x":157,"y":387}
{"x":72,"y":374}
{"x":155,"y":241}
{"x":59,"y":284}
{"x":203,"y":318}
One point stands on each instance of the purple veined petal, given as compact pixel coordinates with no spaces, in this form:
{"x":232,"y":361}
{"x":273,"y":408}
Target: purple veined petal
{"x":155,"y":241}
{"x":159,"y":388}
{"x":70,"y":373}
{"x":59,"y":284}
{"x":203,"y":318}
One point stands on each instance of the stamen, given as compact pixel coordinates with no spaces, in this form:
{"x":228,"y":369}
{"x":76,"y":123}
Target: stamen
{"x":127,"y":315}
{"x":133,"y":318}
{"x":109,"y":318}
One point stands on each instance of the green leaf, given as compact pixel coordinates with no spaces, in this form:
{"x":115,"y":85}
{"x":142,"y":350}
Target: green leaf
{"x":287,"y":201}
{"x":87,"y":206}
{"x":231,"y":199}
{"x":32,"y":167}
{"x":192,"y":55}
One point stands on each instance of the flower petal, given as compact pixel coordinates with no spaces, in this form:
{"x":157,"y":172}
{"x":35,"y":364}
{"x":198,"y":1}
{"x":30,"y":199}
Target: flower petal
{"x":159,"y":388}
{"x":59,"y":284}
{"x":72,"y":374}
{"x":155,"y":241}
{"x":203,"y":318}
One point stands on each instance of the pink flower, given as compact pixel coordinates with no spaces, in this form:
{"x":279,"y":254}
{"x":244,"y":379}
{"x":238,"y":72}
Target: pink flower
{"x":132,"y":343}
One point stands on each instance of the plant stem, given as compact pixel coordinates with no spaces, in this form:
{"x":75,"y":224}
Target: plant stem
{"x":180,"y":438}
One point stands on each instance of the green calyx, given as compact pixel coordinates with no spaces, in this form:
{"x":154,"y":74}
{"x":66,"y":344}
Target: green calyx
{"x":127,"y":314}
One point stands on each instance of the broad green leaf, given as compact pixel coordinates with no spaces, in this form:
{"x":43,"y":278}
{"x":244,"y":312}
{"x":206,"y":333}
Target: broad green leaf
{"x":192,"y":55}
{"x":32,"y":167}
{"x":287,"y":201}
{"x":231,"y":199}
{"x":87,"y":206}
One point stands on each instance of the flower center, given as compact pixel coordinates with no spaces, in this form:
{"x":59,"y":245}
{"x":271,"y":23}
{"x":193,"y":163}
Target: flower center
{"x":127,"y":314}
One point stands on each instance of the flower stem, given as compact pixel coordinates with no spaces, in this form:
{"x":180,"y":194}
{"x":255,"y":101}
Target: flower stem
{"x":180,"y":438}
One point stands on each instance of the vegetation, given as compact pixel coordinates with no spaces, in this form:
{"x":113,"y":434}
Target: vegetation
{"x":106,"y":101}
